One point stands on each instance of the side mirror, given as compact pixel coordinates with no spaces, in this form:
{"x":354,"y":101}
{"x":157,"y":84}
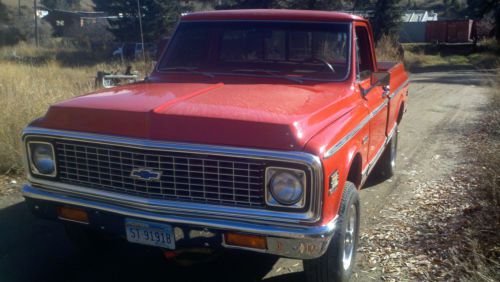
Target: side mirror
{"x":381,"y":78}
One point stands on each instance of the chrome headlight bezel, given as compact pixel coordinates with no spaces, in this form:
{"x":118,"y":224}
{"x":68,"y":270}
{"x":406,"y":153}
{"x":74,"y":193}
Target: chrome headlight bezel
{"x":271,"y":198}
{"x":33,"y":168}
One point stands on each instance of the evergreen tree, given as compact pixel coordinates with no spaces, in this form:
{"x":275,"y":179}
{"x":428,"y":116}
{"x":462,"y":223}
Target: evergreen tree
{"x":361,"y":4}
{"x":4,"y":14}
{"x":477,"y":9}
{"x":246,"y":4}
{"x":326,"y":5}
{"x":452,"y":8}
{"x":387,"y":18}
{"x":158,"y":18}
{"x":9,"y":33}
{"x":62,"y":4}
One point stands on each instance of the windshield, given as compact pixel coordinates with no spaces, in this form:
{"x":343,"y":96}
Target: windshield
{"x":297,"y":50}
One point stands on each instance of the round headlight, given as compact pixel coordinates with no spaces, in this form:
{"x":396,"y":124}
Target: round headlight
{"x":42,"y":156}
{"x":286,"y":188}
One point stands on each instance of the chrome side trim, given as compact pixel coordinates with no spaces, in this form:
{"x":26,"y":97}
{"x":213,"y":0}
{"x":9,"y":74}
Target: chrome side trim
{"x":313,"y":214}
{"x":353,"y":132}
{"x":370,"y":166}
{"x":330,"y":152}
{"x":372,"y":163}
{"x":403,"y":85}
{"x":346,"y":138}
{"x":379,"y":108}
{"x":301,"y":242}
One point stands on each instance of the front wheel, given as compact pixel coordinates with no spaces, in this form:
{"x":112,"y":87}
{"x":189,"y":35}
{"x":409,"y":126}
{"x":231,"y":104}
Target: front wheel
{"x":338,"y":261}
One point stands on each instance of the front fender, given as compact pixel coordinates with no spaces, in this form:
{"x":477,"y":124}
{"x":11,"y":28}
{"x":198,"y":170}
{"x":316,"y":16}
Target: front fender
{"x":346,"y":137}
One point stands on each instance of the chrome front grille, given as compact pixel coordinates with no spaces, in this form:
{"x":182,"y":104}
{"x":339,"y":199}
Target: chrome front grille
{"x":184,"y":176}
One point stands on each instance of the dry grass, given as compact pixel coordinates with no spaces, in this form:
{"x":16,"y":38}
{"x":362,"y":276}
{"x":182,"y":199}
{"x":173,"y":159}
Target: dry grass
{"x":388,"y":49}
{"x":485,"y":55}
{"x":26,"y":91}
{"x":31,"y":80}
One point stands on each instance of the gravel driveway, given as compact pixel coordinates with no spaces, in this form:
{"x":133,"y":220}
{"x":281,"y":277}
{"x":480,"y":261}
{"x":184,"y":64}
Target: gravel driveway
{"x":441,"y":103}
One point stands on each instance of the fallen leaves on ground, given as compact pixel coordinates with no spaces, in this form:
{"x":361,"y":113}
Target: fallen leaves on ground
{"x":428,"y":237}
{"x":449,"y":230}
{"x":9,"y":185}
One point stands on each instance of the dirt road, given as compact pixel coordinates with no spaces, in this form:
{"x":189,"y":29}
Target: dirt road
{"x":442,"y":103}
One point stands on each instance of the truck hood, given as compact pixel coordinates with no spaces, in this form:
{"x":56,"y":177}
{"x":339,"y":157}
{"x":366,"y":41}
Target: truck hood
{"x":268,"y":116}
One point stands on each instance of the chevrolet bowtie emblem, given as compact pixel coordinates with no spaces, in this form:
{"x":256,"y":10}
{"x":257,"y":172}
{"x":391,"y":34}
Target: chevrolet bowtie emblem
{"x":145,"y":174}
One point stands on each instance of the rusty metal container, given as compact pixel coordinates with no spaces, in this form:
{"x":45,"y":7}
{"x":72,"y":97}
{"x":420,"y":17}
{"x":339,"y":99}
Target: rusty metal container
{"x":435,"y":31}
{"x":459,"y":31}
{"x":452,"y":31}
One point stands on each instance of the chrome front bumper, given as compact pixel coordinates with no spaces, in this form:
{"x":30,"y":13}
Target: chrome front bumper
{"x":301,"y":242}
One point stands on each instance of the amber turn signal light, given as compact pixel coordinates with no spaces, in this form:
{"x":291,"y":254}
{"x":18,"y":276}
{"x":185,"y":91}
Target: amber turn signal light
{"x":247,"y":241}
{"x":73,"y":214}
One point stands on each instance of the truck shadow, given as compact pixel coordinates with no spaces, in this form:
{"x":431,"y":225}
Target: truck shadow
{"x":33,"y":249}
{"x":449,"y":74}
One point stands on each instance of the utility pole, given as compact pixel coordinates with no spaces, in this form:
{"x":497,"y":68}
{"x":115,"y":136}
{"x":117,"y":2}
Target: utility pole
{"x":19,"y":8}
{"x":142,"y":34}
{"x":36,"y":23}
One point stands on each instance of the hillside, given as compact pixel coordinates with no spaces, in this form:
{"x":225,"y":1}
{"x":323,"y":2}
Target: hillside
{"x":87,"y":5}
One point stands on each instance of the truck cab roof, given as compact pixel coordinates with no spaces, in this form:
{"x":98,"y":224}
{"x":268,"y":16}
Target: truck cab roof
{"x":271,"y":14}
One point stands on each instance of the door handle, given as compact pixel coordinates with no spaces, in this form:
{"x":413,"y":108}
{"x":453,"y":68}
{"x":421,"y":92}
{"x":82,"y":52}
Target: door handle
{"x":387,"y":91}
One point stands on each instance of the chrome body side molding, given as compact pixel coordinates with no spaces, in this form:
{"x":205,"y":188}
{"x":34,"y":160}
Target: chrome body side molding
{"x":332,"y":150}
{"x":403,"y":85}
{"x":373,"y":162}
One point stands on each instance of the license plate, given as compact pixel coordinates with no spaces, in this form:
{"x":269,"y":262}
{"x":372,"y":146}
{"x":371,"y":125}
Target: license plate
{"x":150,"y":233}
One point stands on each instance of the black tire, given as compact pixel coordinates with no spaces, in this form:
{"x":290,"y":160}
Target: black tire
{"x":386,"y":166}
{"x":86,"y":239}
{"x":331,"y":267}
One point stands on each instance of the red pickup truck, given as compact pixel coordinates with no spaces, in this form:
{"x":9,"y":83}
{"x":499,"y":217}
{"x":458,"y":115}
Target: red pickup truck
{"x":255,"y":131}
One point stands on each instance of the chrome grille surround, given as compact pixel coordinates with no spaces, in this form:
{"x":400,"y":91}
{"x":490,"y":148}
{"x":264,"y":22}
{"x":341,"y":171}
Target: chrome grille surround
{"x":311,"y":214}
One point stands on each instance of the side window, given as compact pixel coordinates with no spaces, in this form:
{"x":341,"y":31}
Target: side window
{"x":363,"y":53}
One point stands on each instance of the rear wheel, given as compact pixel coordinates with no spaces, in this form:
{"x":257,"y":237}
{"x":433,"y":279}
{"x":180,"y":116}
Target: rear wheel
{"x":386,"y":166}
{"x":338,"y":261}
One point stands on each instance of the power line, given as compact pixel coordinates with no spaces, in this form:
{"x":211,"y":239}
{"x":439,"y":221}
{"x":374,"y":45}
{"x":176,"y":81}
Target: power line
{"x":36,"y":22}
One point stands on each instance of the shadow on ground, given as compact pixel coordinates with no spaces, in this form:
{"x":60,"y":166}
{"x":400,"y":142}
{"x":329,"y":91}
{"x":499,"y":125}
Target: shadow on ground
{"x":33,"y":249}
{"x":450,"y":74}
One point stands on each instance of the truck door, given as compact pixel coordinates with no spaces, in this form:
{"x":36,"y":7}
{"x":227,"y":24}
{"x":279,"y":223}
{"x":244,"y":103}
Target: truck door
{"x":374,"y":97}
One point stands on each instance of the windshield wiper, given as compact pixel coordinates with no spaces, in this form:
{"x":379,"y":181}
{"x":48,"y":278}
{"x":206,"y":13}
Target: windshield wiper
{"x":189,"y":69}
{"x":272,"y":73}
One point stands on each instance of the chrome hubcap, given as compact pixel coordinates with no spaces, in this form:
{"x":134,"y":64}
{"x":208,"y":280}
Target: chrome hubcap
{"x":350,"y":237}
